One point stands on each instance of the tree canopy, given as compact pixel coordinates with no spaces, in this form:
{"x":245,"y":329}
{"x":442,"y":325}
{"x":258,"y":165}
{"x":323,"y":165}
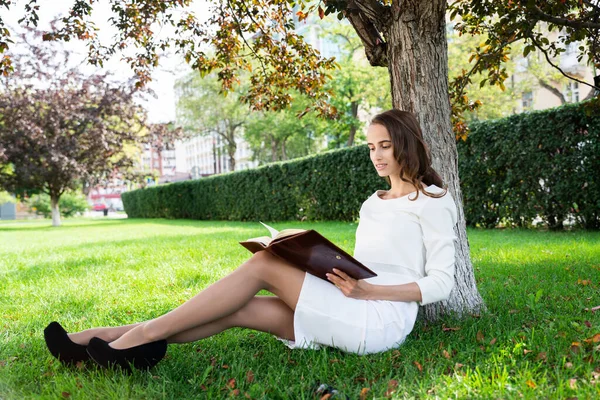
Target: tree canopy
{"x":241,"y":32}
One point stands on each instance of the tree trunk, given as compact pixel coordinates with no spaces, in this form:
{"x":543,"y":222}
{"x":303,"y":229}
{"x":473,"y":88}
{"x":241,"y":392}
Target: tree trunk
{"x":283,"y":154}
{"x":231,"y":147}
{"x":55,"y":210}
{"x":417,"y":56}
{"x":353,"y":127}
{"x":273,"y":149}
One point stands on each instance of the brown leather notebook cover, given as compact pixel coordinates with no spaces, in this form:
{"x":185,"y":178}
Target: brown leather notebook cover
{"x":312,"y":252}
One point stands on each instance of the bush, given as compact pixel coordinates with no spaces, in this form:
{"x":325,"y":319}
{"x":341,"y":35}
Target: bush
{"x":70,"y":204}
{"x":328,"y":186}
{"x":542,"y":163}
{"x":5,"y":197}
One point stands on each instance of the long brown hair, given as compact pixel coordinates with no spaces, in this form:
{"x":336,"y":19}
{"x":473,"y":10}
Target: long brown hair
{"x":410,"y":151}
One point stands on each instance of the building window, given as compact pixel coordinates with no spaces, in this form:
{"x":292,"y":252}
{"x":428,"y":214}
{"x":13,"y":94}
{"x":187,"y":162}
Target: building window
{"x":527,"y":100}
{"x":572,"y":92}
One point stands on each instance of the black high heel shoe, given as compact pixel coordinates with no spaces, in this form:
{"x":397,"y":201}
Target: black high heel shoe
{"x":63,"y":348}
{"x":144,"y":356}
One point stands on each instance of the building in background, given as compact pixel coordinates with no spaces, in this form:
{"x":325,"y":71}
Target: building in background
{"x":207,"y":155}
{"x":546,"y":91}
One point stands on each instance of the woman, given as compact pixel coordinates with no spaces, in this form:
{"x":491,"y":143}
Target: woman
{"x":406,"y":235}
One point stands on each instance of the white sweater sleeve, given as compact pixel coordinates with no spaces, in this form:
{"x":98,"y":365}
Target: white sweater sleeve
{"x":438,"y":218}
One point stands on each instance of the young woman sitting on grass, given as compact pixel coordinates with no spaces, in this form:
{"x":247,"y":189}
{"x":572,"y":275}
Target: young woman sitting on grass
{"x":405,"y":235}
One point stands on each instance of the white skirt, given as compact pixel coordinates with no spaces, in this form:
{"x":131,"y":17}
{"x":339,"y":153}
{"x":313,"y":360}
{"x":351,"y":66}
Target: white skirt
{"x":325,"y":316}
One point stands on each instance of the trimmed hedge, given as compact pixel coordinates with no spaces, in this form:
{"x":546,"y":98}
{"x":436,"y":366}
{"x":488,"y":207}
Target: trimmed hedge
{"x":544,"y":163}
{"x":512,"y":170}
{"x":327,"y":186}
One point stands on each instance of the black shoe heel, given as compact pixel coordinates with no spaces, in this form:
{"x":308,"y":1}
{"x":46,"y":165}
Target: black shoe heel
{"x":63,"y":348}
{"x":144,"y":356}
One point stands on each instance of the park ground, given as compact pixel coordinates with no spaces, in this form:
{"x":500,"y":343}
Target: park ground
{"x":539,"y":337}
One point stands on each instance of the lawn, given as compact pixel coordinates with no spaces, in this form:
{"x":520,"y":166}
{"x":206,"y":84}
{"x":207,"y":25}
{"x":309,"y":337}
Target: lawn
{"x":536,"y":340}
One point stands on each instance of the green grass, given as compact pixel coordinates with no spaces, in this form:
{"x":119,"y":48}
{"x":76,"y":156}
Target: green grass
{"x":89,"y":273}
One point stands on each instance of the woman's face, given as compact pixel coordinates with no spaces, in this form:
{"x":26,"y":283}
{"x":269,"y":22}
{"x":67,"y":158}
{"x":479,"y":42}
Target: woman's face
{"x":381,"y":151}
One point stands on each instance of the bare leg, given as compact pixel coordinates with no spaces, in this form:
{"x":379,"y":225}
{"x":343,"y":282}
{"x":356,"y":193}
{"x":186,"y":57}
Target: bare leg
{"x":263,"y":313}
{"x":108,"y":333}
{"x":223,"y":298}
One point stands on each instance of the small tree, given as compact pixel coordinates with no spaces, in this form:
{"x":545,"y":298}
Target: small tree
{"x":55,"y":137}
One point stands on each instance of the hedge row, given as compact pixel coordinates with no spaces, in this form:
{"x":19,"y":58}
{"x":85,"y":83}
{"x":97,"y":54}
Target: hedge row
{"x":544,"y":163}
{"x":328,"y":186}
{"x":512,"y":170}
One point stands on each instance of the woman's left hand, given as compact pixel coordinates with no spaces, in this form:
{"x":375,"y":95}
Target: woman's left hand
{"x":356,"y":289}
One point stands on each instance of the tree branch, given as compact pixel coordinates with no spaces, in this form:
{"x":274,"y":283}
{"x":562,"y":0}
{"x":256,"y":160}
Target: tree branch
{"x":553,"y":90}
{"x":361,"y":15}
{"x":577,"y":24}
{"x":536,"y":44}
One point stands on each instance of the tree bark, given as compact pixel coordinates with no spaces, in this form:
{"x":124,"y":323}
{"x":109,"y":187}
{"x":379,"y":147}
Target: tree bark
{"x":55,"y":210}
{"x":418,"y":64}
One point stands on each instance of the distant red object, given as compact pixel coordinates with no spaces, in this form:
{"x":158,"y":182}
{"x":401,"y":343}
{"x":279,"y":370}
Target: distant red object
{"x":99,"y":206}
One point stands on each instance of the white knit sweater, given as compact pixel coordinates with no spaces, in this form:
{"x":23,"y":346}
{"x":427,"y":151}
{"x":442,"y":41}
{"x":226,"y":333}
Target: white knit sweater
{"x":400,"y":237}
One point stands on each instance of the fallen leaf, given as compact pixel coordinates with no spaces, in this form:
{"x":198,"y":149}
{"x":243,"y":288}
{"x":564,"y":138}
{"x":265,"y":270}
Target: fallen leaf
{"x":593,"y":339}
{"x":583,"y":282}
{"x":531,"y":384}
{"x":335,"y":360}
{"x":363,"y":393}
{"x":573,"y":383}
{"x":493,"y":341}
{"x":575,"y":346}
{"x":231,"y":383}
{"x":66,"y":395}
{"x":235,"y":392}
{"x":418,"y":365}
{"x":204,"y":388}
{"x":326,"y":397}
{"x":360,"y":379}
{"x":392,"y":384}
{"x":480,"y":336}
{"x":246,"y":395}
{"x":525,"y":351}
{"x":446,"y":329}
{"x":568,"y":365}
{"x":225,"y":366}
{"x":446,"y":354}
{"x":588,"y":324}
{"x":458,"y":365}
{"x":542,"y":356}
{"x":250,"y":376}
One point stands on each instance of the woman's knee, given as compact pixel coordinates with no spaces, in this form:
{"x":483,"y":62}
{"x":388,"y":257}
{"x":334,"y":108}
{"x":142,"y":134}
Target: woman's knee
{"x":260,"y":262}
